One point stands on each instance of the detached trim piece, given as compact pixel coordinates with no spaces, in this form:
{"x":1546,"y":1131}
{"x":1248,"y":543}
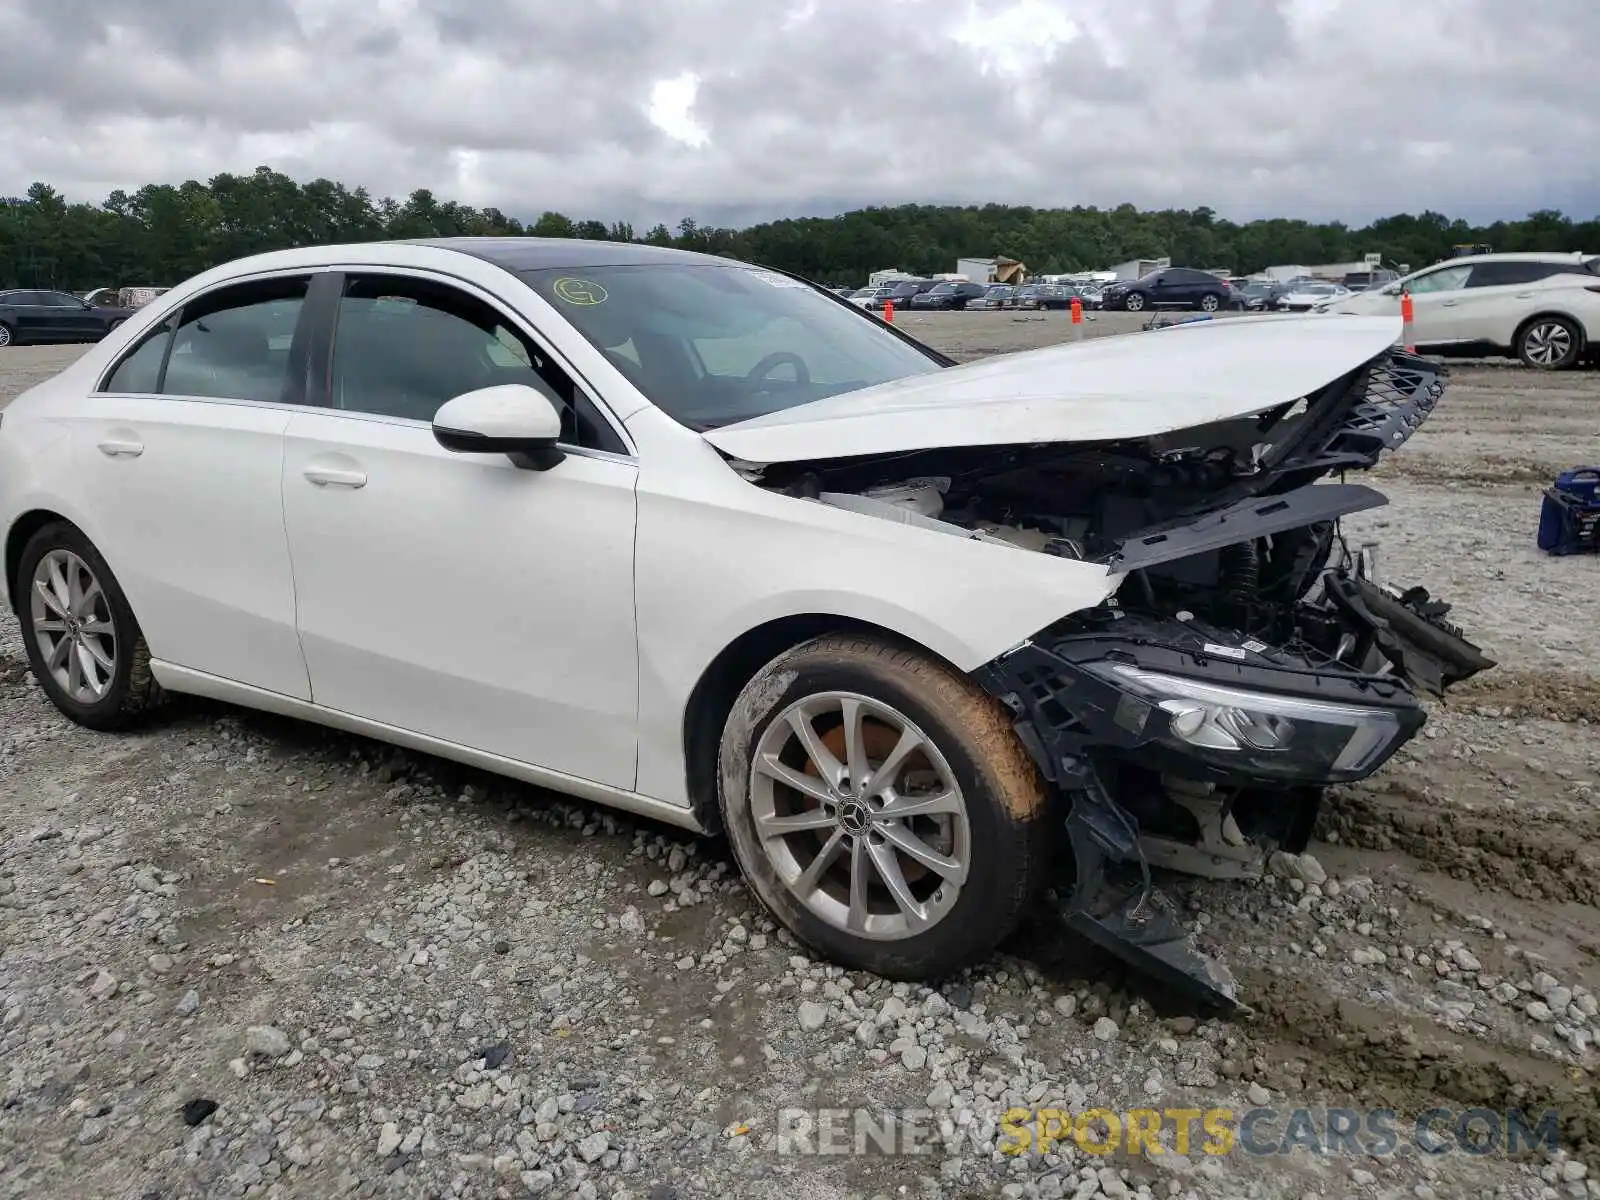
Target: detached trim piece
{"x":1252,"y":518}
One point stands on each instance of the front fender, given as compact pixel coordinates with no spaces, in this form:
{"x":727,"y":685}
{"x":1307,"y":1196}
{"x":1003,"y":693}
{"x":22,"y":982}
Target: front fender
{"x":711,"y":567}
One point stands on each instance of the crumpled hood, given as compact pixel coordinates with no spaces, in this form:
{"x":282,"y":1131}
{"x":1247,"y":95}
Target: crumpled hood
{"x":1102,"y":389}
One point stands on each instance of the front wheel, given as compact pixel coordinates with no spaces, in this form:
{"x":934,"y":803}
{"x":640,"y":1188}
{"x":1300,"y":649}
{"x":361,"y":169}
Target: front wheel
{"x":1550,"y":344}
{"x":6,"y":336}
{"x":881,"y":807}
{"x":1134,"y":302}
{"x":83,"y":643}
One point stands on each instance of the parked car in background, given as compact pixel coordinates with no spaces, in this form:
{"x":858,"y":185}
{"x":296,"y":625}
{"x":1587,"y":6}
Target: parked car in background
{"x":997,"y":295}
{"x":1543,"y":308}
{"x":948,"y":294}
{"x":1092,"y":294}
{"x":48,"y":316}
{"x":1360,"y":281}
{"x":1171,"y":287}
{"x":1253,"y":295}
{"x":1043,"y":296}
{"x":863,"y":297}
{"x":1306,"y":296}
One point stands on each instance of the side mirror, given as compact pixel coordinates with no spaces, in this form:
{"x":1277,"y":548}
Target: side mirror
{"x":512,"y":419}
{"x":1392,"y":290}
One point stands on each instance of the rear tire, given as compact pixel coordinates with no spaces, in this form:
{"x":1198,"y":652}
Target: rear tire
{"x":1550,"y":344}
{"x":1210,"y":304}
{"x":981,"y":807}
{"x":83,"y":643}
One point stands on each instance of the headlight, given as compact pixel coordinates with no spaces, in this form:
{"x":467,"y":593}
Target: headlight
{"x":1261,"y":732}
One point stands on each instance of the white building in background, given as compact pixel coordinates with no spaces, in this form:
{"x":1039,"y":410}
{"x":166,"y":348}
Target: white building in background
{"x":1137,"y":267}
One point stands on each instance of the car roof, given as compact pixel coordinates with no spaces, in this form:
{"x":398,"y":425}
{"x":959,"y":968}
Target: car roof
{"x":534,"y":253}
{"x":1541,"y":256}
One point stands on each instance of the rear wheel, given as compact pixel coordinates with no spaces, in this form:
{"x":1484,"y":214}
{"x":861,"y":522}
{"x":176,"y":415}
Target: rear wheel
{"x":1210,"y":303}
{"x":1134,"y":302}
{"x":1550,"y":343}
{"x":83,"y":643}
{"x":881,"y":807}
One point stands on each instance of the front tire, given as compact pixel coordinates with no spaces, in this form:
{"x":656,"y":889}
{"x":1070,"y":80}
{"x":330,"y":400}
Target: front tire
{"x":1134,"y":302}
{"x":7,"y":337}
{"x":881,"y":807}
{"x":83,"y":643}
{"x":1550,"y":344}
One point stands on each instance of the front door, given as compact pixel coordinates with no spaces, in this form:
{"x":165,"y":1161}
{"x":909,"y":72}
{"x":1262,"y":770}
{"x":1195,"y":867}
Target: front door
{"x":180,"y":457}
{"x":454,"y":595}
{"x":1435,"y":306}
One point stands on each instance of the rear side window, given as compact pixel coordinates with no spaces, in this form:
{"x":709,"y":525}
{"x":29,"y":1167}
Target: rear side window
{"x":139,"y":372}
{"x":230,"y":344}
{"x":1505,"y":274}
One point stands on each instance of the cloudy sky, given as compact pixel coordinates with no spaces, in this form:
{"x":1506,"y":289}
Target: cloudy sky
{"x":733,"y":110}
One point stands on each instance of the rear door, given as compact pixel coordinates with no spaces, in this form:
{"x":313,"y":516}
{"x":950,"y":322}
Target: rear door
{"x":179,"y":453}
{"x":73,"y":319}
{"x":34,"y":322}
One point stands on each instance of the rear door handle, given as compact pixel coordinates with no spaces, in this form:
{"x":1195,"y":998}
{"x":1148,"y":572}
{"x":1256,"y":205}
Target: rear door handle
{"x":1524,"y":296}
{"x":118,"y":448}
{"x":336,"y":477}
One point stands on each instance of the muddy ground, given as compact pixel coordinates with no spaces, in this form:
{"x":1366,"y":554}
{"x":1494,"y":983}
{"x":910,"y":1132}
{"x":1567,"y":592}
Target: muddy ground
{"x":394,"y":977}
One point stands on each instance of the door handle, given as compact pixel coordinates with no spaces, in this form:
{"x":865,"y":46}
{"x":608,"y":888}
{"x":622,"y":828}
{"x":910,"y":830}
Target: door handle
{"x":1448,"y":303}
{"x":1524,"y":296}
{"x":117,"y":448}
{"x":336,"y":477}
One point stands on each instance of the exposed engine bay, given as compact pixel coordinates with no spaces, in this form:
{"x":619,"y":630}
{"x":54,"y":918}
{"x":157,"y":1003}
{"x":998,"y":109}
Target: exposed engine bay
{"x":1248,"y":658}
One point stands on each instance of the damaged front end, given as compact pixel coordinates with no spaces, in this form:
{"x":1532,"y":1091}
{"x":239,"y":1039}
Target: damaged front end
{"x":1247,"y":660}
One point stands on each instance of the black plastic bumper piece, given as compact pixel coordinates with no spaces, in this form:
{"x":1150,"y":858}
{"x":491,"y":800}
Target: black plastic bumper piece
{"x":1133,"y":919}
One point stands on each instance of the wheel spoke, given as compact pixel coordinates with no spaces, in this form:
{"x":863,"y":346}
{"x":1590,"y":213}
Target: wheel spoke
{"x":97,"y":628}
{"x":814,"y":818}
{"x":831,"y":768}
{"x":884,"y":775}
{"x":61,"y":586}
{"x":74,"y":574}
{"x":808,"y":785}
{"x":812,"y":875}
{"x":919,"y":851}
{"x":98,"y":655}
{"x":49,"y":626}
{"x":860,"y":864}
{"x":58,"y":654}
{"x":85,"y":605}
{"x":895,"y":881}
{"x":855,"y":749}
{"x":74,"y":667}
{"x":47,"y":593}
{"x":898,"y":807}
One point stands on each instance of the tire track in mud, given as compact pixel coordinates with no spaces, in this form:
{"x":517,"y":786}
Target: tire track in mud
{"x":1554,"y":858}
{"x":1486,"y":470}
{"x":1354,"y":1049}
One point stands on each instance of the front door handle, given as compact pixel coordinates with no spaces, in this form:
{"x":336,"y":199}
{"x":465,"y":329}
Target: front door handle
{"x":1448,"y":303}
{"x":336,"y":477}
{"x":118,"y":448}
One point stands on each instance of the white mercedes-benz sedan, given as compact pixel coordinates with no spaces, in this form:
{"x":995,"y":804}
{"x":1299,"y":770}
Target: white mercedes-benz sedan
{"x":710,"y":544}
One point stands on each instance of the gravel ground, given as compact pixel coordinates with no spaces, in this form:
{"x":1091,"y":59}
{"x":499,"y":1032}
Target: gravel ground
{"x":392,"y":976}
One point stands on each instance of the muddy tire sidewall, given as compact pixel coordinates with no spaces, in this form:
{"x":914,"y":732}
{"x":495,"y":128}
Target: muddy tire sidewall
{"x":1004,"y":795}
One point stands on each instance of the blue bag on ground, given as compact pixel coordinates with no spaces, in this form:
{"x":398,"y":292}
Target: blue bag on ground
{"x":1569,"y":518}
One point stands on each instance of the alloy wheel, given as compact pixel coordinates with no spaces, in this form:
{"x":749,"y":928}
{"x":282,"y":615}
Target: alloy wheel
{"x":73,"y":627}
{"x":1134,"y":302}
{"x":1208,"y":304}
{"x":860,"y":816}
{"x":5,"y":335}
{"x":1547,"y":343}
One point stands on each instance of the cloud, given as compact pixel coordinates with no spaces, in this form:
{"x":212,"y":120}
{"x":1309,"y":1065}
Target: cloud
{"x":731,"y":111}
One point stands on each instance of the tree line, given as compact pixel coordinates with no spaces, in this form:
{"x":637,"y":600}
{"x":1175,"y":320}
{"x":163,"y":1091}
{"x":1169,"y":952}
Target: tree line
{"x":163,"y":233}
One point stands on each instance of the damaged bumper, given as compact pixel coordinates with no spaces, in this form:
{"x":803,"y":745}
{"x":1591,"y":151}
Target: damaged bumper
{"x":1184,"y":746}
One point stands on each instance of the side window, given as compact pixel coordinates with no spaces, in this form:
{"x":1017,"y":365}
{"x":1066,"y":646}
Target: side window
{"x":139,"y":372}
{"x":1507,"y":274}
{"x":1446,"y":279}
{"x":61,"y":300}
{"x":403,"y":346}
{"x":233,"y":343}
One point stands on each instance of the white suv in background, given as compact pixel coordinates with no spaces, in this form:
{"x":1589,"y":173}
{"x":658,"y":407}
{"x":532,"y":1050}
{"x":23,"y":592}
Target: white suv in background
{"x":1541,"y":308}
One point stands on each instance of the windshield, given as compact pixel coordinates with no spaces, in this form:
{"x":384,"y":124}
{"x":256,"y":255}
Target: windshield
{"x":712,"y":345}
